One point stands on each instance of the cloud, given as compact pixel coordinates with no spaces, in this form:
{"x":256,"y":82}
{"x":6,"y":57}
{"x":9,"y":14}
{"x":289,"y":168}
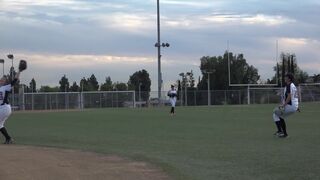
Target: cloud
{"x":262,"y":19}
{"x":133,"y":23}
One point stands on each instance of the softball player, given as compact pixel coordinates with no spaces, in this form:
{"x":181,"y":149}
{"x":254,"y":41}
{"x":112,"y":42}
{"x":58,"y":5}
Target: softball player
{"x":289,"y":106}
{"x":5,"y":108}
{"x":173,"y":98}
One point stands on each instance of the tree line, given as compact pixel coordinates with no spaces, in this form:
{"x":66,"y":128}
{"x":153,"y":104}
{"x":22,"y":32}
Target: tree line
{"x":138,"y":80}
{"x":217,"y":67}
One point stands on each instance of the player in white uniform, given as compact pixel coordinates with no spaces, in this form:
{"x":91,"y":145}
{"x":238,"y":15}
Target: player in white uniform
{"x":5,"y":108}
{"x":289,"y":106}
{"x":173,"y":98}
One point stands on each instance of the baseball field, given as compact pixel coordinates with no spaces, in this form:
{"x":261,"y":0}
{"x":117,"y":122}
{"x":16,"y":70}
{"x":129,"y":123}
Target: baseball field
{"x":200,"y":143}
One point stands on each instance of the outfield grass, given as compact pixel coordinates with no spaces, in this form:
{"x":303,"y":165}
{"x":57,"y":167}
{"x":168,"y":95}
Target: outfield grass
{"x":221,"y":142}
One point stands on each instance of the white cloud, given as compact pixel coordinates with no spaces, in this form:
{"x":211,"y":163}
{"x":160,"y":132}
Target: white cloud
{"x":186,"y":3}
{"x":268,"y":20}
{"x":127,"y":22}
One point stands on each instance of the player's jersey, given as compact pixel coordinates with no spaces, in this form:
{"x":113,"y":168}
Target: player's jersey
{"x":291,"y":89}
{"x":4,"y":90}
{"x":172,"y":93}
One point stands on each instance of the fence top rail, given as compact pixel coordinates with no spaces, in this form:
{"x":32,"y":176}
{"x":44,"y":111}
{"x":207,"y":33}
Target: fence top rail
{"x":41,"y":93}
{"x":309,"y":84}
{"x":266,"y":88}
{"x":249,"y":85}
{"x":85,"y":92}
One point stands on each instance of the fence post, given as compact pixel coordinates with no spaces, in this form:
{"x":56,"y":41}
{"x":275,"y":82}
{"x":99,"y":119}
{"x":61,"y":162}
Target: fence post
{"x":50,"y":99}
{"x":45,"y":102}
{"x":100,"y":100}
{"x":300,"y":95}
{"x":23,"y":99}
{"x":57,"y":101}
{"x":239,"y":96}
{"x":134,"y":99}
{"x":195,"y":97}
{"x":225,"y":97}
{"x":32,"y":101}
{"x":248,"y":91}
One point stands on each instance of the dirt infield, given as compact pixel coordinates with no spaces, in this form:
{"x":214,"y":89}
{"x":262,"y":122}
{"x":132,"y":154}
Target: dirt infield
{"x":39,"y":163}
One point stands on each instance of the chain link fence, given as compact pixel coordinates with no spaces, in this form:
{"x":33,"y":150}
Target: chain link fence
{"x":80,"y":100}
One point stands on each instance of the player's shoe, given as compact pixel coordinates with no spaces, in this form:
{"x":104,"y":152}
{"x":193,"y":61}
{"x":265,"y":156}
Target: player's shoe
{"x":282,"y":135}
{"x":278,"y":133}
{"x":9,"y":141}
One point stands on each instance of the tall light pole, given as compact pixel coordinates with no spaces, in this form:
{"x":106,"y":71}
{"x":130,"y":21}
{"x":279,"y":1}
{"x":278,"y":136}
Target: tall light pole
{"x":158,"y":45}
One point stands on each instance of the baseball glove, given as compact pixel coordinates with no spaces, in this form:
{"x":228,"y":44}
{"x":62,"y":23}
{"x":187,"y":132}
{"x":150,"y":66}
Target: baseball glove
{"x":22,"y":65}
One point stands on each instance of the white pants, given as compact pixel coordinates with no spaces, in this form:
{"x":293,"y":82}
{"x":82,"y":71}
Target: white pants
{"x":173,"y":102}
{"x":287,"y":111}
{"x":5,"y":111}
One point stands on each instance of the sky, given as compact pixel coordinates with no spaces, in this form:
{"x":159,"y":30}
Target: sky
{"x":115,"y":38}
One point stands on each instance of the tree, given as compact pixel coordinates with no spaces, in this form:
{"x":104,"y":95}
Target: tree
{"x":142,"y":79}
{"x":288,"y":65}
{"x":49,"y":89}
{"x":74,"y":87}
{"x":240,"y":71}
{"x":93,"y":83}
{"x":107,"y":86}
{"x":84,"y":85}
{"x":316,"y":78}
{"x":119,"y":86}
{"x":33,"y":85}
{"x":64,"y":84}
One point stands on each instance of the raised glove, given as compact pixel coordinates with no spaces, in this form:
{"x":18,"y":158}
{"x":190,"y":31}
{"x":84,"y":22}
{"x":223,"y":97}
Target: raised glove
{"x":22,"y":65}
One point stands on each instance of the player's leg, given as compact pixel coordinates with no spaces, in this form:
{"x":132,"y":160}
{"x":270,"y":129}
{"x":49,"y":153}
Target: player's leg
{"x":5,"y":112}
{"x":276,"y":118}
{"x":174,"y":105}
{"x":283,"y":127}
{"x":279,"y":115}
{"x":288,"y":110}
{"x":172,"y":109}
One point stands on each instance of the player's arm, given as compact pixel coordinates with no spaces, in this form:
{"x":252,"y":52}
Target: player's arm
{"x":16,"y":78}
{"x":287,"y":100}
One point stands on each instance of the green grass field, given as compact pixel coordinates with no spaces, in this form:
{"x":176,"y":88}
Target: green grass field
{"x":220,"y":142}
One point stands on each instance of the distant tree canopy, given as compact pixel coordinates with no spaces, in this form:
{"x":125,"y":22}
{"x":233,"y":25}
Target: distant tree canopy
{"x":74,"y":87}
{"x":142,"y":79}
{"x":64,"y":84}
{"x":288,"y":64}
{"x":93,"y":83}
{"x":107,"y":85}
{"x":32,"y":86}
{"x":89,"y":84}
{"x":119,"y":86}
{"x":316,"y":78}
{"x":49,"y":89}
{"x":217,"y":66}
